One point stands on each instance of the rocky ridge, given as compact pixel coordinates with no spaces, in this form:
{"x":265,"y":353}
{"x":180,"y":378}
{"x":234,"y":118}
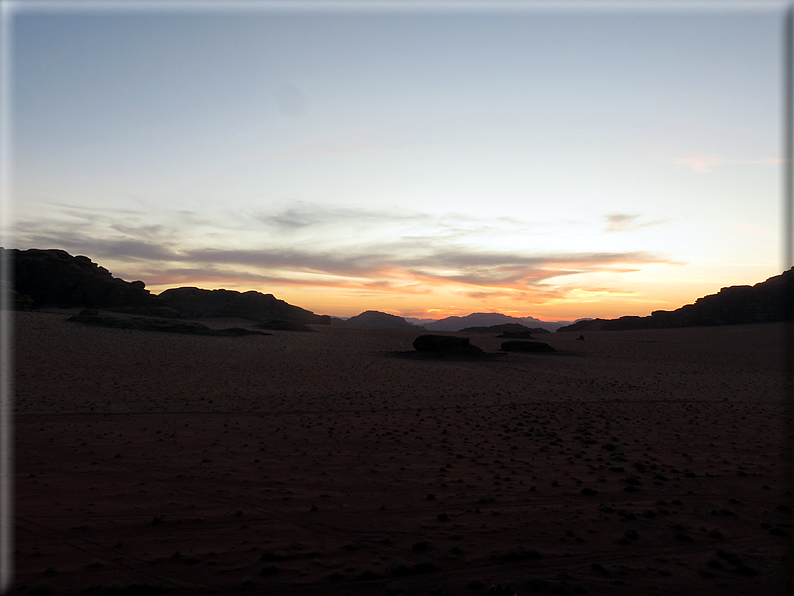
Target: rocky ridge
{"x":765,"y":302}
{"x":53,"y":278}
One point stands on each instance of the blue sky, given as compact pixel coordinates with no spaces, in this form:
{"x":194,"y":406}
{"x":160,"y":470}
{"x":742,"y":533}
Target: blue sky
{"x":423,"y":161}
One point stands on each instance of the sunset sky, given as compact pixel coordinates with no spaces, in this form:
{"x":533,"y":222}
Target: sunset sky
{"x":549,"y":160}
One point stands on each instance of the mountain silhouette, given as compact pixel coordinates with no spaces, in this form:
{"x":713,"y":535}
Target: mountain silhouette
{"x":766,"y":302}
{"x":489,"y":319}
{"x":373,"y":319}
{"x":54,"y":278}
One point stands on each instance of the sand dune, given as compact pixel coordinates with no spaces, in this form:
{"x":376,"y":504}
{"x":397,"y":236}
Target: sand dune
{"x":321,"y":463}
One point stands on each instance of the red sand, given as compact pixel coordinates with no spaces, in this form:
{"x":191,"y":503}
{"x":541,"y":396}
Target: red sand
{"x":321,"y":463}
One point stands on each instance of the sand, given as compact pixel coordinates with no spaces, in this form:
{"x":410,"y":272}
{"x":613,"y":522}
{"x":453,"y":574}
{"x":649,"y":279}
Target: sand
{"x":637,"y":462}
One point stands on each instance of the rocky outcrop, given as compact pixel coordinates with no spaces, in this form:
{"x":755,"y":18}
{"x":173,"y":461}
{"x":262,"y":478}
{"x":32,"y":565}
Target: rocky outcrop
{"x":446,"y":344}
{"x":373,"y":319}
{"x":518,"y":334}
{"x":526,"y":346}
{"x":766,"y":302}
{"x":195,"y":303}
{"x":54,"y":278}
{"x":585,"y":325}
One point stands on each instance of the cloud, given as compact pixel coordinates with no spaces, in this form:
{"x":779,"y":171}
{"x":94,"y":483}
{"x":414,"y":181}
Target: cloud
{"x":301,"y":215}
{"x":432,"y":250}
{"x":96,"y":248}
{"x":482,"y":294}
{"x":625,"y":222}
{"x":520,"y":295}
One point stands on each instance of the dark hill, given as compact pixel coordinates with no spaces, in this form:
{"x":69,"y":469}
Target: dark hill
{"x":54,"y":278}
{"x":195,"y":303}
{"x":373,"y":319}
{"x":766,"y":302}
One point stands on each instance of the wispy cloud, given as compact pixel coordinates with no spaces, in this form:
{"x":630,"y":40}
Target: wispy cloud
{"x":429,"y":250}
{"x":313,"y":218}
{"x":626,"y":222}
{"x":304,"y":215}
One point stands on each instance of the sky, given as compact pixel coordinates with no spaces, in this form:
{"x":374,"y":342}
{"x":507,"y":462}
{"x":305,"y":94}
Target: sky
{"x":551,"y":160}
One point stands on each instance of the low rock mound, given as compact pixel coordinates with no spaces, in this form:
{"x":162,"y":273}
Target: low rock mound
{"x":518,"y":334}
{"x":157,"y":324}
{"x":526,"y":346}
{"x":445,"y":344}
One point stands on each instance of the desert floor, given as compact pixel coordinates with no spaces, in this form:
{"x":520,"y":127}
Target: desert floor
{"x":642,"y":462}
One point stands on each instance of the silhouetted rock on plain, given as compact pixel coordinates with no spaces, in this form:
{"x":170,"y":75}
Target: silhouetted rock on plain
{"x":526,"y":346}
{"x":163,"y":325}
{"x":54,"y":278}
{"x":373,"y":319}
{"x":769,"y":301}
{"x":518,"y":334}
{"x":447,"y":344}
{"x":195,"y":303}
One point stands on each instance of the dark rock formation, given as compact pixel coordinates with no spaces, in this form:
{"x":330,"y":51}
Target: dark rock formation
{"x":584,"y":325}
{"x":765,"y":302}
{"x":526,"y":346}
{"x":156,"y":324}
{"x":373,"y":319}
{"x":195,"y":303}
{"x":54,"y":278}
{"x":447,"y":344}
{"x":519,"y":334}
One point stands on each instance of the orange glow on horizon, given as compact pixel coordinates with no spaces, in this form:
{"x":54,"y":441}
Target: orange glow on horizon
{"x":597,"y":295}
{"x":445,"y":299}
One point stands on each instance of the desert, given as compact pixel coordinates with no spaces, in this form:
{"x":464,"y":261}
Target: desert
{"x":422,"y":298}
{"x":645,"y":461}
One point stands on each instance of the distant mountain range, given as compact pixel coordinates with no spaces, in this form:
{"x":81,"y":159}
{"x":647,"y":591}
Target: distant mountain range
{"x":373,"y":319}
{"x":485,"y":319}
{"x":47,"y":278}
